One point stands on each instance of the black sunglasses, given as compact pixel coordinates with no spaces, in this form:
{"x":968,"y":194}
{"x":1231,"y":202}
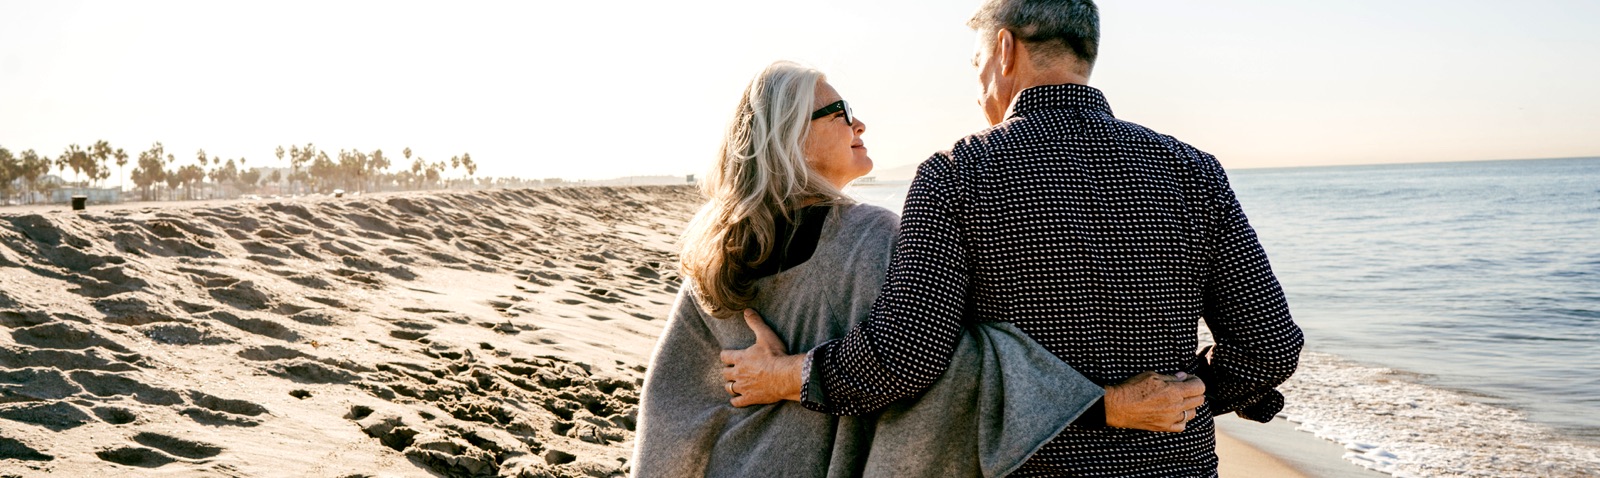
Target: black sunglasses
{"x":835,"y":107}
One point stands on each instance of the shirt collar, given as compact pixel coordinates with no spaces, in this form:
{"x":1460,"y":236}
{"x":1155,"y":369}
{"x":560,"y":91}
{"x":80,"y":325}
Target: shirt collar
{"x":1068,"y":96}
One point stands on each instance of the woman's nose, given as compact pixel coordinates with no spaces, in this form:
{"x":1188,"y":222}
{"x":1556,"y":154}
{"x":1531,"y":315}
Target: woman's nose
{"x":861,"y":126}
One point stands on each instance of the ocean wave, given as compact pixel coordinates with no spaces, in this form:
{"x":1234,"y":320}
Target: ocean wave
{"x":1389,"y":421}
{"x":1392,"y":423}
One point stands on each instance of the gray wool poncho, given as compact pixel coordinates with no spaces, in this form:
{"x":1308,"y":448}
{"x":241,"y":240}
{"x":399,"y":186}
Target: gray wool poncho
{"x":1003,"y":397}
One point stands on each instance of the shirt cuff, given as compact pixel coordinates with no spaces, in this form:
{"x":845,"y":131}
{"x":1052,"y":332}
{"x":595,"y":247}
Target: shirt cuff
{"x":1094,"y":417}
{"x":812,"y":395}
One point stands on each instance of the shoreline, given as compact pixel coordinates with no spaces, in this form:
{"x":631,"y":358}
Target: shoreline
{"x":1276,"y":448}
{"x":1237,"y":458}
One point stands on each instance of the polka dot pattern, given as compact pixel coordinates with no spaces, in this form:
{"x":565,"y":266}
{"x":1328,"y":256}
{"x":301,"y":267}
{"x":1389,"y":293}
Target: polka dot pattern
{"x":1105,"y":242}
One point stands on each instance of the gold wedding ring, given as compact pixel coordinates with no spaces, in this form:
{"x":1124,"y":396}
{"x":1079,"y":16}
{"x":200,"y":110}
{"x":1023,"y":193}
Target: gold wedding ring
{"x":729,"y":386}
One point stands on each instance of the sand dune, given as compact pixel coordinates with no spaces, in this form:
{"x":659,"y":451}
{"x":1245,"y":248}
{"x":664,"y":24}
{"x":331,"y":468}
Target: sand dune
{"x":494,"y":333}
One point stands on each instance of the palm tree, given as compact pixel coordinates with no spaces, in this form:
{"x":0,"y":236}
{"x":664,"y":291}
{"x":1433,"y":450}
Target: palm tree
{"x":227,"y":173}
{"x":376,"y":164}
{"x":33,"y":168}
{"x":435,"y":172}
{"x":322,"y":171}
{"x":74,"y":157}
{"x":417,"y":167}
{"x":200,"y":158}
{"x":122,"y":160}
{"x":216,"y":172}
{"x":299,"y":156}
{"x":101,"y":153}
{"x":173,"y":178}
{"x":190,"y":175}
{"x":149,"y":172}
{"x":455,"y":163}
{"x":275,"y":177}
{"x":248,"y":179}
{"x":472,"y":168}
{"x":10,"y":168}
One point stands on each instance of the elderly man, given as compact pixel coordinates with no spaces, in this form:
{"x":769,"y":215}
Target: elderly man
{"x":1104,"y":241}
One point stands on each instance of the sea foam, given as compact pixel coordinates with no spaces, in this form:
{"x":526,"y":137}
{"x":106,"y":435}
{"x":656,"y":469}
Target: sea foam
{"x":1391,"y":423}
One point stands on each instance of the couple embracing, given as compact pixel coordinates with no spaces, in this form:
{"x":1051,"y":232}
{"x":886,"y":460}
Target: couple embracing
{"x":1032,"y":312}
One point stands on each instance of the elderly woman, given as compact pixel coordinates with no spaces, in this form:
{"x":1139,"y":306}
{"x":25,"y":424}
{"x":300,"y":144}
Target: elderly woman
{"x":778,"y":235}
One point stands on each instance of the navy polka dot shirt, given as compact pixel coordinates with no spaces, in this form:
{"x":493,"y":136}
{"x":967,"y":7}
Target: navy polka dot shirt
{"x":1105,"y":242}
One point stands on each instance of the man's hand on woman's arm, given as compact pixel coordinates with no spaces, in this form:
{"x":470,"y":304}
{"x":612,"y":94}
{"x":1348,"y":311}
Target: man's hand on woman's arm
{"x":765,"y":372}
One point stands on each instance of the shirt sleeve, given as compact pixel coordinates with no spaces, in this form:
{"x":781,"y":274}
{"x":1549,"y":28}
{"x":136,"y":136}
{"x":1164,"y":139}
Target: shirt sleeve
{"x":907,"y":341}
{"x":1257,"y":342}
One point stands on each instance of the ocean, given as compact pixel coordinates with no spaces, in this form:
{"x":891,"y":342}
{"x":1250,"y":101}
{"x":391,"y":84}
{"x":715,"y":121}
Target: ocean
{"x":1477,"y":280}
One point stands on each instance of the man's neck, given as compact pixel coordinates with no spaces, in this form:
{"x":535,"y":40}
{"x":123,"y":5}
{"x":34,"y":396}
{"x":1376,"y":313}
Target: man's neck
{"x":1049,"y":76}
{"x":1046,"y":77}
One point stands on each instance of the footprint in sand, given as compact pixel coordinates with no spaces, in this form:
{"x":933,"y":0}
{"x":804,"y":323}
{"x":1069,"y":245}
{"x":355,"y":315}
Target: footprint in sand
{"x":358,"y":277}
{"x":115,"y":415}
{"x":268,"y":353}
{"x":301,"y":249}
{"x":170,"y":224}
{"x":30,"y":384}
{"x":410,"y":335}
{"x":40,"y":229}
{"x":64,"y":335}
{"x":135,"y":456}
{"x":509,"y":305}
{"x":318,"y":317}
{"x":410,"y":329}
{"x":177,"y":446}
{"x":444,"y":258}
{"x":132,"y":310}
{"x":262,"y":327}
{"x":257,"y":248}
{"x":193,"y":308}
{"x":116,"y":384}
{"x":307,"y":371}
{"x":330,"y":302}
{"x":314,"y":281}
{"x":90,"y":359}
{"x":241,"y":294}
{"x":27,"y":318}
{"x":15,"y":450}
{"x":418,"y":310}
{"x":55,"y":416}
{"x":210,"y":410}
{"x":439,"y":315}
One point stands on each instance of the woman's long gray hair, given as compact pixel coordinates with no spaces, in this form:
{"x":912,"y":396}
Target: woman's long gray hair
{"x":759,"y":176}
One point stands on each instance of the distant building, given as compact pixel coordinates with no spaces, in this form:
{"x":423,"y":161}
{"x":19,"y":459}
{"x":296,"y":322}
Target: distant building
{"x":96,"y":195}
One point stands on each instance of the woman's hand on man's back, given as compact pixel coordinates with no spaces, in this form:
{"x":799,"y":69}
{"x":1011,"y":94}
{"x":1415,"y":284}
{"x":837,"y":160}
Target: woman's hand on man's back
{"x":1154,"y":402}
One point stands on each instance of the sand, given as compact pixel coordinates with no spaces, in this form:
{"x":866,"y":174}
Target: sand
{"x":493,"y":333}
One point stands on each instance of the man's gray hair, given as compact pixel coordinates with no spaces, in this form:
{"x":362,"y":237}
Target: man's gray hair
{"x":1051,"y":27}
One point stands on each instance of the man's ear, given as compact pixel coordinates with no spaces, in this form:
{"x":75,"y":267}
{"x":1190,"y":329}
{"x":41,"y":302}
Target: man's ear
{"x":1006,"y":43}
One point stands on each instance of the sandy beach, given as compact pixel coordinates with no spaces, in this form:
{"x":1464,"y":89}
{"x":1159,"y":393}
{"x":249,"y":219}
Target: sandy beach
{"x":499,"y":333}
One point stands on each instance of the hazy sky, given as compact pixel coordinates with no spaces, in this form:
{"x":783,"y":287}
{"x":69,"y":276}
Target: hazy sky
{"x":605,"y":89}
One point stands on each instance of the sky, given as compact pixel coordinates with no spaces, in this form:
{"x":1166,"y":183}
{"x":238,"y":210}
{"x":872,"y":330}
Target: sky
{"x":593,"y":90}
